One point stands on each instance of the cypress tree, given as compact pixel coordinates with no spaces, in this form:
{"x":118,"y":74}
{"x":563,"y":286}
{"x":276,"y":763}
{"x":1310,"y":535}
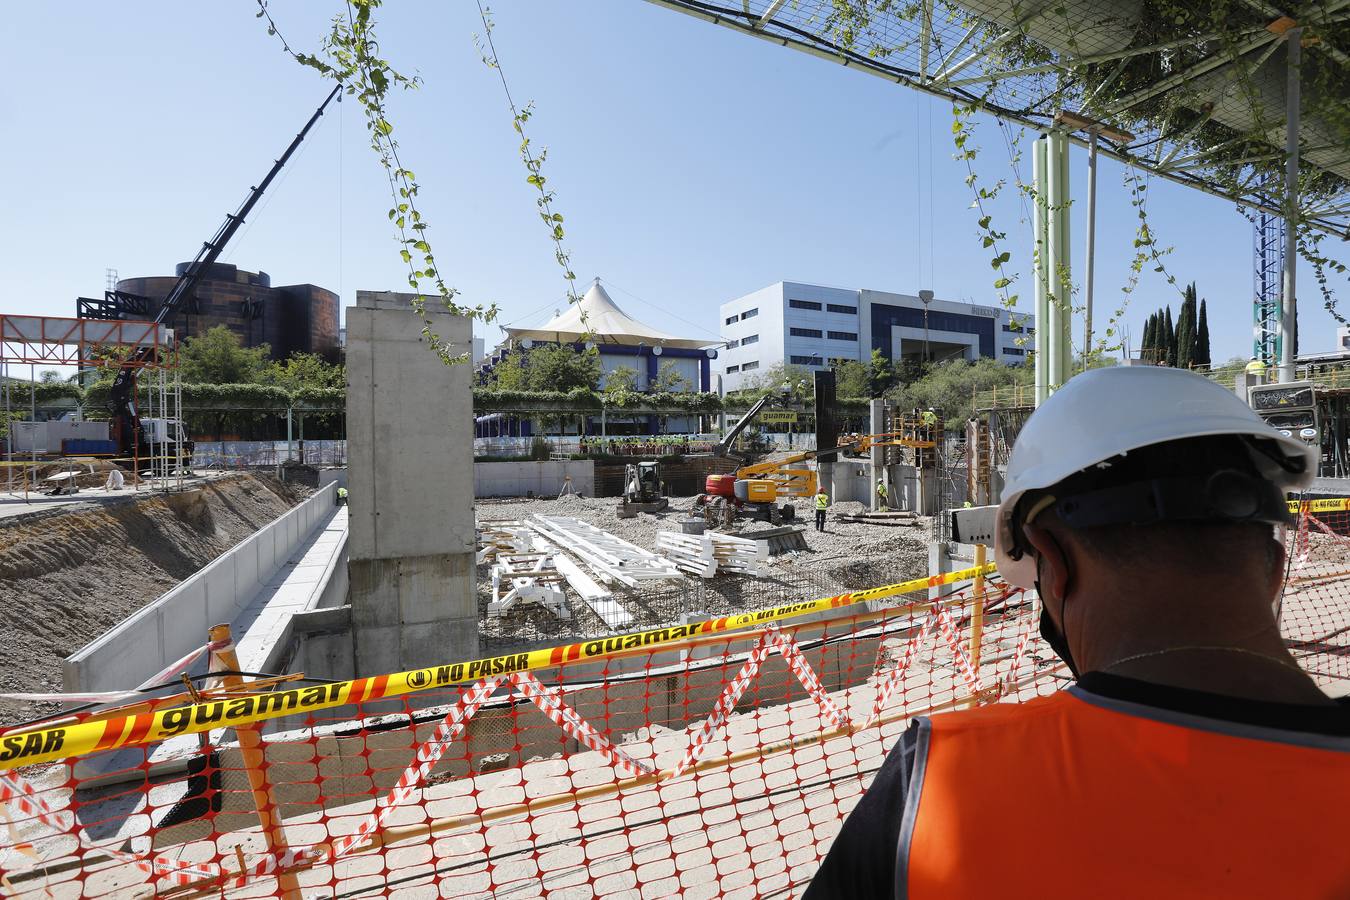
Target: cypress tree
{"x":1170,"y":338}
{"x":1146,"y":345}
{"x":1186,"y":329}
{"x":1202,"y":356}
{"x":1160,"y":340}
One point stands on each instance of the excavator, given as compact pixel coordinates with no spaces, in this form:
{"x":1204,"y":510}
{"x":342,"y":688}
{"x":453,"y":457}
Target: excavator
{"x":755,"y":488}
{"x":132,"y":439}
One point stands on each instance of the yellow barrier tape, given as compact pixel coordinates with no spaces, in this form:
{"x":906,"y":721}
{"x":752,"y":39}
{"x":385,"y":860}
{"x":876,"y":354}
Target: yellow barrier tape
{"x":1331,"y":504}
{"x":43,"y":745}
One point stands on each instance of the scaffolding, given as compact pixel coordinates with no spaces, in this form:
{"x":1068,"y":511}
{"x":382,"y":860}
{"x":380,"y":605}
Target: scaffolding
{"x":34,"y":341}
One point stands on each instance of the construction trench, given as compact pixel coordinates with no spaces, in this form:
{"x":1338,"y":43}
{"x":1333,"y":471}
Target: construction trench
{"x":420,"y":693}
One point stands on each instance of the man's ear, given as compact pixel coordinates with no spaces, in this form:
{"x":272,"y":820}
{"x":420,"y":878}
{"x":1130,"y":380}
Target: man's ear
{"x":1054,"y":563}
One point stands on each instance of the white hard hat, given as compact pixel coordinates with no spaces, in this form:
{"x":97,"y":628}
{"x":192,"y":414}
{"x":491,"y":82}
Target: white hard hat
{"x":1108,"y":412}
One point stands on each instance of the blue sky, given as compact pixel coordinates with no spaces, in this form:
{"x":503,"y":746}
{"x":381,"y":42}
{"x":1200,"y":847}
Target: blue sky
{"x":692,"y":164}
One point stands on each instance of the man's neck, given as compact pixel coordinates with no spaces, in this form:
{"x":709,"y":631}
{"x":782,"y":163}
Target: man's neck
{"x":1216,"y":668}
{"x":1235,"y":650}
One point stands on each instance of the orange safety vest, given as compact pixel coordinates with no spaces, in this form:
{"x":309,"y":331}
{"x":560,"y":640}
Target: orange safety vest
{"x":1078,"y":795}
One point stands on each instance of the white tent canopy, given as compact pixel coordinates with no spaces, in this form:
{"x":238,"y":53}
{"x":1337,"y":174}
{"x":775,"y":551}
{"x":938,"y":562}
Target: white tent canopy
{"x":598,"y":318}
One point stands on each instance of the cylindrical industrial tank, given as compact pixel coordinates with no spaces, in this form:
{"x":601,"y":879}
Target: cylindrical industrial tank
{"x":289,"y":319}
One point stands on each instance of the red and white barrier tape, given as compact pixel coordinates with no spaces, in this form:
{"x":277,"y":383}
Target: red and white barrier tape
{"x":428,"y":754}
{"x":1302,"y":543}
{"x":948,"y":628}
{"x":17,"y":792}
{"x":550,"y":701}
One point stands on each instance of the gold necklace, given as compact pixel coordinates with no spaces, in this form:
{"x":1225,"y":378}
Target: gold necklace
{"x":1216,"y":649}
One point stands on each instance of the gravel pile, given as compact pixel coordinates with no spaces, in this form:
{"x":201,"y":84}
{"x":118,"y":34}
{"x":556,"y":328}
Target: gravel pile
{"x":847,"y":556}
{"x":73,"y":574}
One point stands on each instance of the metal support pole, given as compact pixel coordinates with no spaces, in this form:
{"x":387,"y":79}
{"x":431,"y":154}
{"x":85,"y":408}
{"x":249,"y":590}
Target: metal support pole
{"x":1090,"y":248}
{"x":1043,"y":336}
{"x":977,"y":618}
{"x":9,"y":433}
{"x":32,"y":416}
{"x":254,"y":754}
{"x":878,"y":419}
{"x":1056,"y":251}
{"x":1288,"y":301}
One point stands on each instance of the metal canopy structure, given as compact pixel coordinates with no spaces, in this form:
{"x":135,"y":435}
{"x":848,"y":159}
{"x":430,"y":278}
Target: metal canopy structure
{"x":1195,"y":102}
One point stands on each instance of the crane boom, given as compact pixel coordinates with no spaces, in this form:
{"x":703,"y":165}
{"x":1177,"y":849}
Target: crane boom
{"x":122,"y":395}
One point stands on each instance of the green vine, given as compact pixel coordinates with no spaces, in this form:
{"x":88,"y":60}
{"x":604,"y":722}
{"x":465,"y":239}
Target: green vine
{"x":351,"y":57}
{"x":967,"y":151}
{"x":1309,"y":247}
{"x":534,"y":163}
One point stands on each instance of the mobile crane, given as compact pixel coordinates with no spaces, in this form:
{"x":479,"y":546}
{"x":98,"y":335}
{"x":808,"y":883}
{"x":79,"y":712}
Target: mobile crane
{"x":126,"y":429}
{"x":755,"y":488}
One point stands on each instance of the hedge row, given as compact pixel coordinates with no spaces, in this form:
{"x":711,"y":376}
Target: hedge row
{"x":270,"y":397}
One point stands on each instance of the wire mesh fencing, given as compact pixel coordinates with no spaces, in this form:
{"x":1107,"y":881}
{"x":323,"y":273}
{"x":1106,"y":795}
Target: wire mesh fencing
{"x":713,"y":758}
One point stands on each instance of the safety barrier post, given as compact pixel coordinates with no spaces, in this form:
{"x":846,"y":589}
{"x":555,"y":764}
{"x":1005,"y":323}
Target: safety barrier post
{"x":255,"y":762}
{"x":977,"y":617}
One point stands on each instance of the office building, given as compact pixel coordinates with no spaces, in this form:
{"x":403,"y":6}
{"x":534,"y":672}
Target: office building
{"x":815,"y":326}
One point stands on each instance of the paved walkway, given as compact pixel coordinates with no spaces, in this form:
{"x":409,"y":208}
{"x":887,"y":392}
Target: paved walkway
{"x":294,"y":588}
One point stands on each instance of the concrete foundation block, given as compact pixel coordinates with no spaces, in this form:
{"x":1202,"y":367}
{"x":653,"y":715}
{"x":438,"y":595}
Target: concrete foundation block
{"x":432,"y":588}
{"x":446,"y":641}
{"x":377,"y":649}
{"x":220,"y":581}
{"x":246,"y":568}
{"x":374,"y":592}
{"x":184,"y":618}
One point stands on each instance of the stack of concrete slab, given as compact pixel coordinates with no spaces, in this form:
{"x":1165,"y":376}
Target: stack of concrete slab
{"x":707,"y":554}
{"x":532,"y":562}
{"x":613,"y":560}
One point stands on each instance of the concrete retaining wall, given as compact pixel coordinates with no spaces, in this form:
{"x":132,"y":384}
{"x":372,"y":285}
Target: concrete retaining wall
{"x":542,"y":479}
{"x":167,"y":629}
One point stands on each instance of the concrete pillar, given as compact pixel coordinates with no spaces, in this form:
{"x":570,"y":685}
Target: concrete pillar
{"x":410,"y":443}
{"x":939,"y":563}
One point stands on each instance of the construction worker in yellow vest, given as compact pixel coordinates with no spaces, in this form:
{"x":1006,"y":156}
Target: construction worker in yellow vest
{"x":882,"y":501}
{"x":822,"y":504}
{"x":1256,"y":370}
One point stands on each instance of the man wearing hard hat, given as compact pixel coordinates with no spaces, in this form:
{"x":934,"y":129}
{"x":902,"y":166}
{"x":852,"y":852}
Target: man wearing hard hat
{"x":1192,"y":757}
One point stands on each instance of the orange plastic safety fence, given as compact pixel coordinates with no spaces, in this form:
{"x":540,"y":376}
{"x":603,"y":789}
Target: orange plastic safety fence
{"x":720,"y":766}
{"x":1315,"y":604}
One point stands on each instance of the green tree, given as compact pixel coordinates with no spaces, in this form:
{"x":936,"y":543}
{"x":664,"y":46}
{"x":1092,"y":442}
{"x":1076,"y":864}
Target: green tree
{"x":669,"y":379}
{"x":882,"y":374}
{"x":1150,"y":333}
{"x":852,"y":379}
{"x":1202,"y":356}
{"x":796,"y":381}
{"x":1186,"y":329}
{"x":217,"y":357}
{"x":305,"y":370}
{"x":621,"y":380}
{"x":508,"y":375}
{"x":954,"y":389}
{"x":558,"y":367}
{"x":1170,"y":340}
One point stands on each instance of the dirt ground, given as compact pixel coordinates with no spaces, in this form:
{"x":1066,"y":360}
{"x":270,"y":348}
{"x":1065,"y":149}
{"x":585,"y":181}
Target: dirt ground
{"x":67,"y":577}
{"x":847,"y":556}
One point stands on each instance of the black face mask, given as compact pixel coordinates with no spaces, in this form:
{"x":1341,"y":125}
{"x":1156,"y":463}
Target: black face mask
{"x":1050,"y":631}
